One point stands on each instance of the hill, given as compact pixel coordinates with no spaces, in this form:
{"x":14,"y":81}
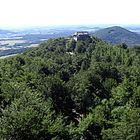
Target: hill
{"x":67,"y":90}
{"x":118,"y":35}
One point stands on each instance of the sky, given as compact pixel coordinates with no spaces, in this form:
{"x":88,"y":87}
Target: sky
{"x":16,"y":13}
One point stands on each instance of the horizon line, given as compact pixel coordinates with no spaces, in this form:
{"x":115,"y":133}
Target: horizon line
{"x":66,"y":25}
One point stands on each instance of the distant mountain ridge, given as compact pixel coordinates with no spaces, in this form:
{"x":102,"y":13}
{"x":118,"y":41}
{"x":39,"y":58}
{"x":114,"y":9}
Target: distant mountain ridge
{"x":118,"y":35}
{"x":5,"y":31}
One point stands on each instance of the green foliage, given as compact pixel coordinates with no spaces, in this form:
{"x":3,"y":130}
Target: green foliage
{"x":68,"y":90}
{"x":30,"y":117}
{"x":71,"y":45}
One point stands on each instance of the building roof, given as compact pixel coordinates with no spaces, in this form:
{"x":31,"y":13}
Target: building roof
{"x":81,"y":33}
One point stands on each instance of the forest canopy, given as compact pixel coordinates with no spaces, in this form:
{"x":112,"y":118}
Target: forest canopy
{"x":68,"y":90}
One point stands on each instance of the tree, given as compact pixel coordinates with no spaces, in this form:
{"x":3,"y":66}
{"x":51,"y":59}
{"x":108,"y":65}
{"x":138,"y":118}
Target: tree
{"x":30,"y":117}
{"x":71,"y":45}
{"x":80,"y":47}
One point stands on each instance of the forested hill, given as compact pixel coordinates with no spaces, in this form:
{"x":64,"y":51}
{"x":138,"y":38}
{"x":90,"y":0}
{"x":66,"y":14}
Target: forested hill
{"x":67,"y":90}
{"x":117,"y":35}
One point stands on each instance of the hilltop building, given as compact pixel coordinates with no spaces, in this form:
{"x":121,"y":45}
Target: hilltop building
{"x":83,"y":35}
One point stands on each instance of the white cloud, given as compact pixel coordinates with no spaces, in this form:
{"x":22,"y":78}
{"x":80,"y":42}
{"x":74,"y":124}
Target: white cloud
{"x":56,"y":12}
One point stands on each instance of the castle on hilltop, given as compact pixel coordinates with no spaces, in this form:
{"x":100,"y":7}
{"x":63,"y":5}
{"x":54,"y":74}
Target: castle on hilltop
{"x":83,"y":35}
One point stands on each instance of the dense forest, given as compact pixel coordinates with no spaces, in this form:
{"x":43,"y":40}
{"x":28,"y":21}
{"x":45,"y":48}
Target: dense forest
{"x":67,"y":90}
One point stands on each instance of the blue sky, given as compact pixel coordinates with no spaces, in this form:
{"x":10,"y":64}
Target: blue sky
{"x":16,"y":13}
